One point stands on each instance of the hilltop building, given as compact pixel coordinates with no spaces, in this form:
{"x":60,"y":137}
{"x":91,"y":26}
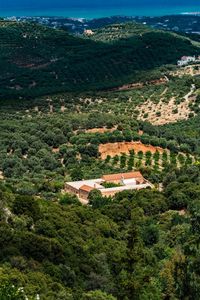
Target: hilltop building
{"x":185,"y":60}
{"x":121,"y":182}
{"x":88,"y":32}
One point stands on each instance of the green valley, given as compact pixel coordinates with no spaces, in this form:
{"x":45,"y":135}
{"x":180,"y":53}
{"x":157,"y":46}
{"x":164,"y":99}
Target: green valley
{"x":38,"y":60}
{"x":78,"y":107}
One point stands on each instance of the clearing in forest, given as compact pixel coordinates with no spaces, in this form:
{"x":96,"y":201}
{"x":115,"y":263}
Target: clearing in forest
{"x":113,"y":149}
{"x":101,"y":130}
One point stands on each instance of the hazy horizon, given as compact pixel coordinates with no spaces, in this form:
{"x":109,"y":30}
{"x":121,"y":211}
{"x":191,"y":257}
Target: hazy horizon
{"x":89,"y":8}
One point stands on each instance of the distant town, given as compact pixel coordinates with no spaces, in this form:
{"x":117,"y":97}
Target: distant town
{"x":187,"y":23}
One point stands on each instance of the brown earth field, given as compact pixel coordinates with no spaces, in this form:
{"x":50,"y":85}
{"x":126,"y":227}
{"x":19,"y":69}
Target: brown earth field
{"x":131,"y":86}
{"x":113,"y":149}
{"x":101,"y":130}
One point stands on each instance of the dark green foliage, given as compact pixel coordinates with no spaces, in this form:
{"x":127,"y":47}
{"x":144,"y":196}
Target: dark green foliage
{"x":25,"y":205}
{"x":96,"y":200}
{"x":10,"y":292}
{"x":36,"y":60}
{"x":76,"y":174}
{"x":68,"y":199}
{"x":97,"y":295}
{"x":136,"y":244}
{"x":41,"y":248}
{"x":110,"y":184}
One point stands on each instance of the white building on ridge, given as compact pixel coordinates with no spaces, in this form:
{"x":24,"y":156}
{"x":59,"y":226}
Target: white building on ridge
{"x":185,"y":60}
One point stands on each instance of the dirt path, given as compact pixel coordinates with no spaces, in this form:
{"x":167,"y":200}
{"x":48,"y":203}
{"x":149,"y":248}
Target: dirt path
{"x":191,"y":92}
{"x":131,"y":86}
{"x":164,"y":92}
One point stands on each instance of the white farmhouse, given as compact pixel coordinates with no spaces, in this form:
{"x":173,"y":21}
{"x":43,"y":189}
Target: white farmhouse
{"x":185,"y":60}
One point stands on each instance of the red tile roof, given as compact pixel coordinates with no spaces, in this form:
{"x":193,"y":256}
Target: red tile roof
{"x":86,"y":188}
{"x":119,"y":176}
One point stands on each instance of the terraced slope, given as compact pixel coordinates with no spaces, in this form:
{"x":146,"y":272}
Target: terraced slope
{"x":116,"y":32}
{"x":119,"y":32}
{"x":36,"y":60}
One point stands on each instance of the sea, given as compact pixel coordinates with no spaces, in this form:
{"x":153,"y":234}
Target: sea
{"x":90,"y":9}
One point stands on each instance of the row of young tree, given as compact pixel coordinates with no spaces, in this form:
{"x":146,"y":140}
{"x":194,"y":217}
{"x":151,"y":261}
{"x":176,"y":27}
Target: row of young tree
{"x":156,"y":160}
{"x":39,"y":153}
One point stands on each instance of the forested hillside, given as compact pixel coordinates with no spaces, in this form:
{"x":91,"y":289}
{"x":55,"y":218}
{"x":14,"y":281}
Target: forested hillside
{"x":36,"y":60}
{"x":67,"y":114}
{"x":142,"y":245}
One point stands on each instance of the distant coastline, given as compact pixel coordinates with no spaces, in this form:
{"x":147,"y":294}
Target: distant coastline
{"x":194,"y":13}
{"x":106,"y":12}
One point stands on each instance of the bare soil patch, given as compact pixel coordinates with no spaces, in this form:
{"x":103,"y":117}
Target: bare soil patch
{"x":100,"y":130}
{"x":55,"y":150}
{"x":192,"y":70}
{"x":114,"y":149}
{"x":163,"y":113}
{"x":136,"y":85}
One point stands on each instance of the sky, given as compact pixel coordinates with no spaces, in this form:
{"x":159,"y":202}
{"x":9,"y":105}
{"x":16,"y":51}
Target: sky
{"x":83,"y":8}
{"x":36,"y":4}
